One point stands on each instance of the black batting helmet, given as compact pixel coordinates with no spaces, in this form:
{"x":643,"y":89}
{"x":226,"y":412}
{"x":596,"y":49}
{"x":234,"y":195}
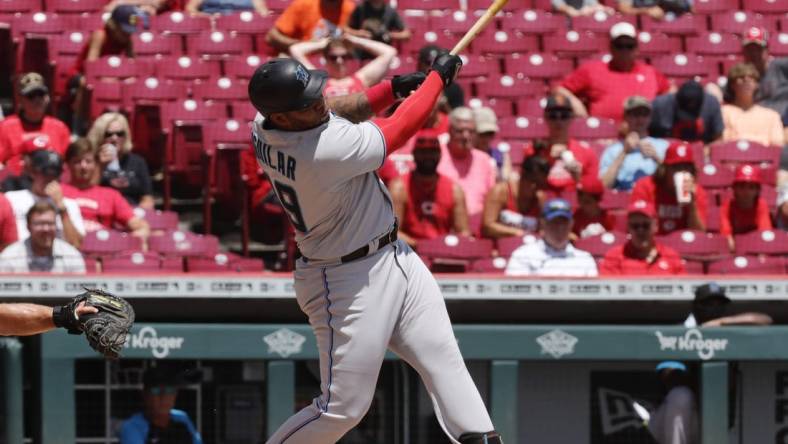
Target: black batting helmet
{"x":281,"y":85}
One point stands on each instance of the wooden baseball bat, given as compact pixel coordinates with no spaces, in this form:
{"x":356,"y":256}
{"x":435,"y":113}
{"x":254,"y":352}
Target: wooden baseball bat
{"x":477,"y":27}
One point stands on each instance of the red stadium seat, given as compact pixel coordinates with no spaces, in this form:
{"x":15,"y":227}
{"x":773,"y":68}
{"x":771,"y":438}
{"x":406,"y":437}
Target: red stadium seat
{"x":76,"y":6}
{"x":222,"y":89}
{"x":507,"y":86}
{"x":778,"y":43}
{"x":159,"y":220}
{"x":218,"y":45}
{"x":538,"y":66}
{"x":109,"y":243}
{"x":503,"y":43}
{"x":507,"y":245}
{"x":685,"y":24}
{"x":696,"y":245}
{"x":534,"y":22}
{"x":402,"y":64}
{"x":511,"y":5}
{"x":575,"y":44}
{"x":246,"y":22}
{"x":183,"y":243}
{"x":765,"y":6}
{"x":187,"y":68}
{"x":455,"y":22}
{"x":39,"y":23}
{"x":277,"y":5}
{"x":242,"y":68}
{"x":740,"y":21}
{"x":713,"y":217}
{"x":600,"y":23}
{"x":91,"y":265}
{"x":714,"y":43}
{"x":615,"y":200}
{"x":694,"y":267}
{"x":103,"y":96}
{"x":477,"y":67}
{"x":428,"y":37}
{"x":495,"y":265}
{"x":428,"y":5}
{"x":531,"y":106}
{"x":715,"y":176}
{"x":223,"y":141}
{"x":179,"y":23}
{"x":773,"y":242}
{"x":131,"y":262}
{"x":151,"y":45}
{"x":743,"y":151}
{"x":760,"y":265}
{"x":243,"y":111}
{"x":684,"y":66}
{"x":501,"y":107}
{"x":707,"y":7}
{"x":593,"y":128}
{"x":658,"y":44}
{"x":190,"y":111}
{"x":223,"y":262}
{"x":152,"y":91}
{"x":117,"y":68}
{"x":600,"y":244}
{"x":19,"y":6}
{"x":455,"y":251}
{"x":522,"y":128}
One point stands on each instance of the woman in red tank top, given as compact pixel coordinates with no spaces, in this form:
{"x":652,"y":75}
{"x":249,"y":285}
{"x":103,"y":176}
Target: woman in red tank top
{"x":512,"y":208}
{"x":338,"y":55}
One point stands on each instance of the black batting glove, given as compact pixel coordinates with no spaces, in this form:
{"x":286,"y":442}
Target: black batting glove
{"x":447,"y":66}
{"x":65,"y":316}
{"x":403,"y":85}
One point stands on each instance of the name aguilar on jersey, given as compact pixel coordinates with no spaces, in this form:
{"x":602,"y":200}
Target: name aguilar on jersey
{"x":263,"y":152}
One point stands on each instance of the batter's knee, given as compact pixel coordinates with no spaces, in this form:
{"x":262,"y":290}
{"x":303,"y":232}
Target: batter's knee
{"x":492,"y":437}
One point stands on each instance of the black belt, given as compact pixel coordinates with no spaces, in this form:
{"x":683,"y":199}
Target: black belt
{"x":384,"y":240}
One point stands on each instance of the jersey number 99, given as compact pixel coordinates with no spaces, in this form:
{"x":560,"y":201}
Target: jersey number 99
{"x":289,"y":200}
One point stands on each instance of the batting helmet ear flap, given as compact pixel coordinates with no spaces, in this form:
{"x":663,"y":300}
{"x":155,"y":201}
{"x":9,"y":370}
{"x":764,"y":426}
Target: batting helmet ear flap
{"x":492,"y":437}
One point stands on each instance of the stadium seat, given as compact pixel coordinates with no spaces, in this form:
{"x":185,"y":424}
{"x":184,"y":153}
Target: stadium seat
{"x":243,"y":111}
{"x":740,"y":21}
{"x":511,"y":5}
{"x":246,"y":22}
{"x":39,"y":23}
{"x":531,"y":106}
{"x":713,"y":217}
{"x":455,"y":250}
{"x":771,"y":242}
{"x":187,"y":68}
{"x":507,"y":245}
{"x":651,"y":45}
{"x":575,"y":44}
{"x":507,"y":86}
{"x":778,"y":43}
{"x":694,"y":267}
{"x":91,"y":265}
{"x":223,"y":141}
{"x":455,"y":22}
{"x":402,"y":64}
{"x":242,"y":68}
{"x":685,"y":24}
{"x":591,"y":128}
{"x":615,"y":200}
{"x":683,"y":67}
{"x":151,"y":45}
{"x":117,"y":68}
{"x":744,"y":265}
{"x":152,"y":91}
{"x":477,"y":67}
{"x":743,"y":151}
{"x":223,"y":262}
{"x":496,"y":265}
{"x":501,"y":107}
{"x":600,"y":244}
{"x":600,"y":23}
{"x":428,"y":5}
{"x":187,"y":111}
{"x":102,"y":97}
{"x":504,"y":43}
{"x":696,"y":245}
{"x":179,"y":23}
{"x":428,"y":37}
{"x":34,"y":56}
{"x":537,"y":66}
{"x":534,"y":22}
{"x":708,"y":7}
{"x":222,"y":89}
{"x":131,"y":262}
{"x":277,"y":5}
{"x":522,"y":128}
{"x":159,"y":220}
{"x":19,"y":6}
{"x":714,"y":43}
{"x":218,"y":45}
{"x":75,"y":6}
{"x":715,"y":176}
{"x":183,"y":243}
{"x":108,"y":243}
{"x":765,"y":6}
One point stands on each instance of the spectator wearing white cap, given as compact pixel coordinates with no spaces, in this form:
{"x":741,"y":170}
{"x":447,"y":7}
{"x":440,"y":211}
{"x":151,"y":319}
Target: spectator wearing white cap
{"x":486,"y":130}
{"x":604,"y":86}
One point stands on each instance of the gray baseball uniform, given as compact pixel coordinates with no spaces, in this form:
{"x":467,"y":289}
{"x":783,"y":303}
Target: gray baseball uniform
{"x":325,"y":178}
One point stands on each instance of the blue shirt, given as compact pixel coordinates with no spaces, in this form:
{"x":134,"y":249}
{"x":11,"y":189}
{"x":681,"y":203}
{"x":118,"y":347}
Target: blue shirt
{"x":136,"y":430}
{"x":635,"y":165}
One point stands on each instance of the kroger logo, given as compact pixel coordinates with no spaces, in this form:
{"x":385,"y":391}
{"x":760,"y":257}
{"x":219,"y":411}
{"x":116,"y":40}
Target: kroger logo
{"x":148,"y":339}
{"x":692,"y":341}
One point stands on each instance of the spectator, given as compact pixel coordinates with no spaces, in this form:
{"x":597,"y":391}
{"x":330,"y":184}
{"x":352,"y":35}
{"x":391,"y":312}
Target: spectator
{"x":690,"y":114}
{"x":641,"y":255}
{"x":675,"y":420}
{"x":656,"y":9}
{"x":30,"y":124}
{"x":712,"y":308}
{"x":41,"y":251}
{"x":486,"y":130}
{"x":746,"y":210}
{"x":553,"y":254}
{"x":22,"y":181}
{"x":223,"y":7}
{"x":589,"y":218}
{"x":8,"y":234}
{"x":338,"y":53}
{"x":743,"y":118}
{"x":781,"y":217}
{"x":305,"y":20}
{"x":114,"y":38}
{"x":472,"y":169}
{"x":269,"y":222}
{"x":160,"y":421}
{"x":513,"y":206}
{"x":101,"y":207}
{"x":120,"y":168}
{"x":580,"y":8}
{"x":637,"y":154}
{"x":44,"y":168}
{"x":605,"y":86}
{"x":377,"y":20}
{"x":660,"y":190}
{"x":454,"y":94}
{"x":428,"y":204}
{"x":569,"y":159}
{"x":150,"y":7}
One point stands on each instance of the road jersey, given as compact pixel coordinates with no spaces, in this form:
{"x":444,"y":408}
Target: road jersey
{"x":325,"y":179}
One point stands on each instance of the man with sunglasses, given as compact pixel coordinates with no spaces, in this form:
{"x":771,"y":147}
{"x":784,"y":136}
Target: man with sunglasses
{"x":637,"y":154}
{"x":160,"y":422}
{"x":606,"y":85}
{"x":30,"y":122}
{"x":641,"y":255}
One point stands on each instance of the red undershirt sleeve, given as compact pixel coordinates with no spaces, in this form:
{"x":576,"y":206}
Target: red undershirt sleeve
{"x":411,"y":114}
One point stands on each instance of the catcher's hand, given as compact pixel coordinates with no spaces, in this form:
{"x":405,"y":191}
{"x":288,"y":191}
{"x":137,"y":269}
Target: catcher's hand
{"x":105,"y":329}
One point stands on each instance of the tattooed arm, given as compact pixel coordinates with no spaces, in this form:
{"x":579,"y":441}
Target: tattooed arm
{"x":354,"y":107}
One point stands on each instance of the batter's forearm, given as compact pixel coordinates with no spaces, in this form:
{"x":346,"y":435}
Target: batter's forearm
{"x":25,"y":319}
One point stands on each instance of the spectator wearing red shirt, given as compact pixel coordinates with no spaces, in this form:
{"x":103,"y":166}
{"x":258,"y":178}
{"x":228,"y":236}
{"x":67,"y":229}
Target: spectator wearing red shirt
{"x":641,"y":255}
{"x":589,"y":218}
{"x":31,"y":124}
{"x":605,"y":86}
{"x":570,"y":160}
{"x":8,"y":233}
{"x":101,"y":207}
{"x":660,"y":191}
{"x":746,"y":210}
{"x":513,"y":207}
{"x":427,"y":203}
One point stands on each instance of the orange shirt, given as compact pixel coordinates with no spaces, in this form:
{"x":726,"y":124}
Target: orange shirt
{"x":306,"y":20}
{"x":734,"y":220}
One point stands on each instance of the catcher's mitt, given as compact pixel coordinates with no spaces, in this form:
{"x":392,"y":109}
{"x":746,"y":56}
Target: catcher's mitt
{"x":106,"y":330}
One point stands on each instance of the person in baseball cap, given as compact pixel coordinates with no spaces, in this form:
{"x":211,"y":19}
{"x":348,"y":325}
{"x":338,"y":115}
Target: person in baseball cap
{"x":130,"y":18}
{"x":453,"y":93}
{"x":712,"y":308}
{"x":590,"y":219}
{"x":676,"y":418}
{"x":746,"y":210}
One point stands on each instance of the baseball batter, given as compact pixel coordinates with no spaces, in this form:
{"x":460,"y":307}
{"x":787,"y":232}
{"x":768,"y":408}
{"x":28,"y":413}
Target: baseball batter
{"x":363,"y":290}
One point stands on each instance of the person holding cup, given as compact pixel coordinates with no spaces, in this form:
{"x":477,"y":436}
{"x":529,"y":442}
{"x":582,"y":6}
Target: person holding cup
{"x":120,"y":168}
{"x":680,"y":202}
